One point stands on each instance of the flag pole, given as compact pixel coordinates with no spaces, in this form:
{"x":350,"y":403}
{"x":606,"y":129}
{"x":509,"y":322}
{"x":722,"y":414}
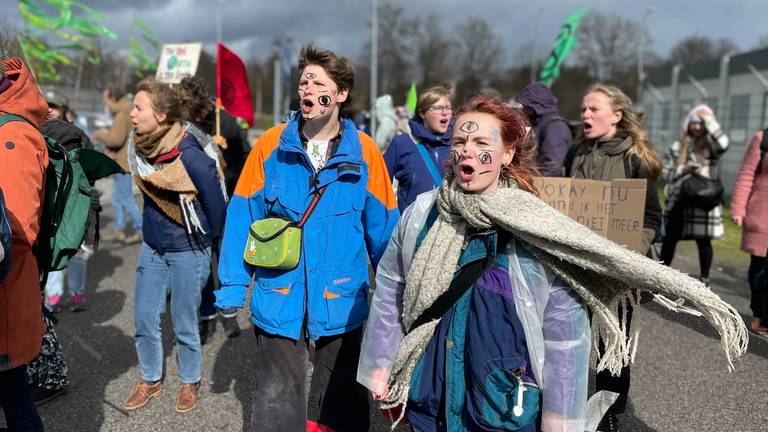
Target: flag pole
{"x":218,"y":72}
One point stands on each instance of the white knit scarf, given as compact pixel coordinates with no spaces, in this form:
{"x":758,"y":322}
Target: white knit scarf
{"x":603,"y":273}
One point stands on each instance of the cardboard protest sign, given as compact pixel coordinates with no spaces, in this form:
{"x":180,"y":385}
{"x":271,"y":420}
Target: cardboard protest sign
{"x":178,"y":61}
{"x":612,"y":209}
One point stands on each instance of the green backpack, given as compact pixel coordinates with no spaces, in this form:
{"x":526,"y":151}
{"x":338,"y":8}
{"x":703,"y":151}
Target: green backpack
{"x":67,"y":200}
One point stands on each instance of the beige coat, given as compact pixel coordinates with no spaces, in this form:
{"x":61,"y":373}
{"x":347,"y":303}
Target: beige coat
{"x":117,"y":135}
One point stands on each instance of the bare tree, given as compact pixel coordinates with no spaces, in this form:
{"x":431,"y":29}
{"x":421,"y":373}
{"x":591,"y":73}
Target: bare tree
{"x":607,"y":44}
{"x":9,"y":42}
{"x":432,"y":48}
{"x":395,"y":36}
{"x":480,"y":50}
{"x":696,"y":48}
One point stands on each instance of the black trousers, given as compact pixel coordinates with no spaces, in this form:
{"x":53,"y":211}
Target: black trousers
{"x":281,"y":400}
{"x":604,"y":380}
{"x":757,"y":285}
{"x":16,"y":401}
{"x":674,"y":229}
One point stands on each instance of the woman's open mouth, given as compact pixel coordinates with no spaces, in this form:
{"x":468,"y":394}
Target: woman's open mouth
{"x":466,"y":172}
{"x":586,"y":126}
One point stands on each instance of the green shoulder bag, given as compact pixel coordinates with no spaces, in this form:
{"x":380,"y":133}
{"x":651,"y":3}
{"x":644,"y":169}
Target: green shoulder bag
{"x":275,"y":243}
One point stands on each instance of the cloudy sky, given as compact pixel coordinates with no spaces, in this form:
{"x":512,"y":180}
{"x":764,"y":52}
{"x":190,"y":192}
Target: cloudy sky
{"x":343,"y":25}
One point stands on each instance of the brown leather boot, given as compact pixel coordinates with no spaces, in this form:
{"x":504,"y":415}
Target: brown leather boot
{"x":187,"y":397}
{"x":141,"y":394}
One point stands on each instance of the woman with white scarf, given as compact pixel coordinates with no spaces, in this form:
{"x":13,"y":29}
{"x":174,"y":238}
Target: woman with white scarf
{"x":177,"y":168}
{"x":512,"y":353}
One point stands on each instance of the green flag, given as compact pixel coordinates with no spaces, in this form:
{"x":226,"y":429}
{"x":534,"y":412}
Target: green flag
{"x":50,"y":40}
{"x":564,"y":43}
{"x":411,"y":99}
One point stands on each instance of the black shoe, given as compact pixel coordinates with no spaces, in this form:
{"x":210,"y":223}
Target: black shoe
{"x":207,"y":328}
{"x":43,"y":395}
{"x":231,"y":326}
{"x":609,"y":423}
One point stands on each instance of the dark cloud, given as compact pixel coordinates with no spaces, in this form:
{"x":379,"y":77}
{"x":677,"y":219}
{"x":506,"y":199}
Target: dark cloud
{"x":343,"y":25}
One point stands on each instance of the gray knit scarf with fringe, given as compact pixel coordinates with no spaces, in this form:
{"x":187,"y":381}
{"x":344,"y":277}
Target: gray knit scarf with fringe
{"x":603,"y":273}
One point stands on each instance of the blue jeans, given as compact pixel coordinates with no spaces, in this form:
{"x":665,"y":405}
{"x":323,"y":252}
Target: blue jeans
{"x":122,"y":201}
{"x":75,"y":278}
{"x":182,"y":276}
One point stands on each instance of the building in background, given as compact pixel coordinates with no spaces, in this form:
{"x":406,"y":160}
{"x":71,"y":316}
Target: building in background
{"x":735,"y":86}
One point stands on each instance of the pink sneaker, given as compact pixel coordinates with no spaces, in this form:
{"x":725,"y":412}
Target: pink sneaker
{"x":52,"y":303}
{"x":78,"y":303}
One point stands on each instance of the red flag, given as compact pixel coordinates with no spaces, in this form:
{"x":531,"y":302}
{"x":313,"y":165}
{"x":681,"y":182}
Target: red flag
{"x":232,"y":89}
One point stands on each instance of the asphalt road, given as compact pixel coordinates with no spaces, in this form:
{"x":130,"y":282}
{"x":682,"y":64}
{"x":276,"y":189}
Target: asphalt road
{"x":680,"y":380}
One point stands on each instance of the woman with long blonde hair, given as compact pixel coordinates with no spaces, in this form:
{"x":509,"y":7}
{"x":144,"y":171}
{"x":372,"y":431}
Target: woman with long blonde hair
{"x":615,"y":146}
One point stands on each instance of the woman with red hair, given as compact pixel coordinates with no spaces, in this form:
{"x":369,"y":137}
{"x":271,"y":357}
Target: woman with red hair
{"x":479,"y":319}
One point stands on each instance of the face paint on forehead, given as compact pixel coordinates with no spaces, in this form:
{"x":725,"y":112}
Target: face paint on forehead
{"x":496,"y":137}
{"x":469,"y":127}
{"x":310,"y":75}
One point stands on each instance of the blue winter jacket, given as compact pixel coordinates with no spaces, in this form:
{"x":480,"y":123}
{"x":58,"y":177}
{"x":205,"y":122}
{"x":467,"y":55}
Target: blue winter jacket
{"x":404,"y":162}
{"x":351,"y":225}
{"x":163,"y":234}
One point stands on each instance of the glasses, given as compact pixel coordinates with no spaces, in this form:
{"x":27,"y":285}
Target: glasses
{"x":441,"y":108}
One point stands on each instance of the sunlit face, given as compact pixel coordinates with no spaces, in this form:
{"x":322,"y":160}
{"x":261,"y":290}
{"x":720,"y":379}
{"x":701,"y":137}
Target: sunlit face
{"x":478,"y":153}
{"x":319,"y":95}
{"x":696,"y":129}
{"x":598,"y":119}
{"x":55,"y":112}
{"x":144,"y":118}
{"x":437,"y":117}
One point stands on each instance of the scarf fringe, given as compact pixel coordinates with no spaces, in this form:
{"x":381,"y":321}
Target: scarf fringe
{"x":191,"y":220}
{"x":606,"y":276}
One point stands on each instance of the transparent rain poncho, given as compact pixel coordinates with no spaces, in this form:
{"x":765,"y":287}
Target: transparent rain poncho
{"x":555,"y":323}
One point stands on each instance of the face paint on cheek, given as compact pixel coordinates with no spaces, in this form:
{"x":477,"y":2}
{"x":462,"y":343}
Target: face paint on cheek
{"x":455,"y":157}
{"x":485,"y":158}
{"x":325,"y":100}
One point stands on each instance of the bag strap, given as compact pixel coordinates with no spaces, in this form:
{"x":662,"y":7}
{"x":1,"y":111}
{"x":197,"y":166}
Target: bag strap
{"x":430,"y":164}
{"x":763,"y":150}
{"x":7,"y":118}
{"x":462,"y":281}
{"x":311,"y":207}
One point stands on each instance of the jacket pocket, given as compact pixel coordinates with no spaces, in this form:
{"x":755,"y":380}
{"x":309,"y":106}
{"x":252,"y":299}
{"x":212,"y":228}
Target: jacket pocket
{"x":502,"y":397}
{"x":273,"y":294}
{"x":285,"y":199}
{"x":345,"y":296}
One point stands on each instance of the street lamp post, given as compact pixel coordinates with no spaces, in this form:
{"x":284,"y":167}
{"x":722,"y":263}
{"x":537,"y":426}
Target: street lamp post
{"x":641,"y":54}
{"x":374,"y":63}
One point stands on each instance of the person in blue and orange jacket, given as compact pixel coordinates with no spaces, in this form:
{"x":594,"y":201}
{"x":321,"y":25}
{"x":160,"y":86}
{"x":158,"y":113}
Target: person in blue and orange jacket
{"x":315,"y":312}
